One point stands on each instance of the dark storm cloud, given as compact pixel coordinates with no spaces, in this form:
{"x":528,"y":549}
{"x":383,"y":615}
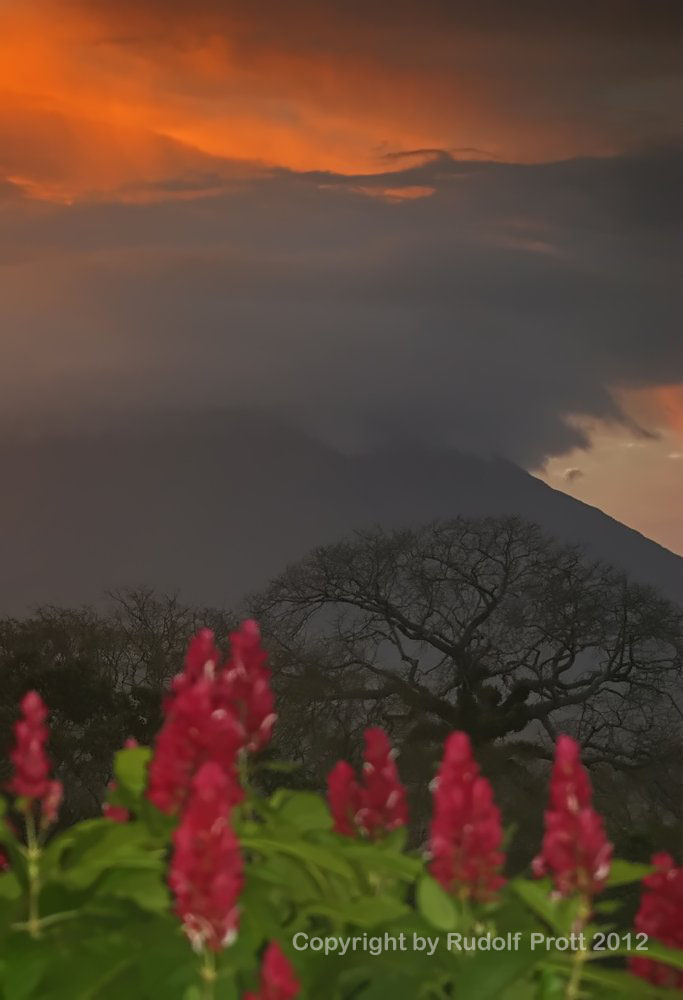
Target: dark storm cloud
{"x":621,"y":18}
{"x":483,"y":315}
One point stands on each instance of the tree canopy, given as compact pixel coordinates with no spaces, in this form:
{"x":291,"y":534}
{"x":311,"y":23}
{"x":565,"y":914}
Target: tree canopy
{"x":485,"y":625}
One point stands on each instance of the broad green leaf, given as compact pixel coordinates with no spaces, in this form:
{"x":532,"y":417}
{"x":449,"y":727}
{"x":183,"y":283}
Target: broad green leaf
{"x":627,"y":872}
{"x":560,"y":914}
{"x":622,"y":984}
{"x":486,"y":975}
{"x":144,"y":888}
{"x":100,"y":845}
{"x":14,"y":851}
{"x":277,"y":766}
{"x":392,"y":983}
{"x":436,"y":905}
{"x":656,"y":951}
{"x":24,"y":964}
{"x":309,"y":854}
{"x":9,"y":886}
{"x":374,"y":859}
{"x":369,"y":911}
{"x":394,"y":841}
{"x":130,"y":769}
{"x":305,"y":811}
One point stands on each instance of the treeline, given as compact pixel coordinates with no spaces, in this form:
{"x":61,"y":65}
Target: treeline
{"x":485,"y":625}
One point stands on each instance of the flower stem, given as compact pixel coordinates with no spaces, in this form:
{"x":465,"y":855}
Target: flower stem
{"x":581,"y":953}
{"x":208,"y":974}
{"x":48,"y":921}
{"x":33,"y":924}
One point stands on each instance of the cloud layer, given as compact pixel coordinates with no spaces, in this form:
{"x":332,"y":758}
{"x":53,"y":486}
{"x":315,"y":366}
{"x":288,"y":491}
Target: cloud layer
{"x":482,"y":309}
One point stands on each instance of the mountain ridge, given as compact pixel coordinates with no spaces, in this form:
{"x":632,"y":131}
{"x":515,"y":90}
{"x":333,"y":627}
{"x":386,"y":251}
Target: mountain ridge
{"x":213,"y":505}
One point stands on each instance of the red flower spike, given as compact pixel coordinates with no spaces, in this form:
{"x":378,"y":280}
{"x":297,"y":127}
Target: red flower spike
{"x":278,"y":980}
{"x":206,"y":868}
{"x":466,"y":833}
{"x":376,"y":806}
{"x":575,"y":849}
{"x":201,"y":660}
{"x":195,"y":730}
{"x":214,"y":711}
{"x":343,"y":796}
{"x":4,"y":861}
{"x":52,"y":800}
{"x":383,"y":798}
{"x":245,"y":685}
{"x":31,"y":765}
{"x":660,"y":916}
{"x":117,"y":814}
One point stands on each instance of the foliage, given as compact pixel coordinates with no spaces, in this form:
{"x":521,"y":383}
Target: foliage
{"x":86,"y":914}
{"x":490,"y":626}
{"x":103,"y":673}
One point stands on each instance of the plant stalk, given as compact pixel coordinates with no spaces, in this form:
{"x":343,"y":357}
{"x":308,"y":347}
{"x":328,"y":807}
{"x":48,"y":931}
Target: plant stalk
{"x":33,"y":925}
{"x":580,"y":955}
{"x":208,"y":974}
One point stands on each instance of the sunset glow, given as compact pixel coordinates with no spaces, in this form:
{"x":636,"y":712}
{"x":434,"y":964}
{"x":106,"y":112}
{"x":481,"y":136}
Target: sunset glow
{"x":419,"y":212}
{"x":94,"y":96}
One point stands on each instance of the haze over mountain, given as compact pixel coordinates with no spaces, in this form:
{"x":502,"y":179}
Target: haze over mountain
{"x":216,"y":504}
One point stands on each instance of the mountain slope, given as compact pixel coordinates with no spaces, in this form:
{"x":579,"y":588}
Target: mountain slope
{"x":214,"y":505}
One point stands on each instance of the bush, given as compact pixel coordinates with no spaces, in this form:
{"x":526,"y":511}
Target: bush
{"x":193,"y":885}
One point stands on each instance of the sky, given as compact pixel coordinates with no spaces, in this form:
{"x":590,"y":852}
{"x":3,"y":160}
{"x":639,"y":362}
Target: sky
{"x":437,"y":222}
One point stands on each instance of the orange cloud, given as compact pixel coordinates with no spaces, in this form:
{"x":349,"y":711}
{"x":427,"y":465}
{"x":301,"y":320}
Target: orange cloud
{"x":669,"y":400}
{"x":95,"y":96}
{"x":658,"y":408}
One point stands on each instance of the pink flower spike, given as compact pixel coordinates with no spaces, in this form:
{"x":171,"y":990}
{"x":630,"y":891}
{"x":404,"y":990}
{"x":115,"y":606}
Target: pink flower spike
{"x":201,"y":660}
{"x":31,"y":778}
{"x":343,"y":796}
{"x":215,"y":711}
{"x":575,"y":849}
{"x":660,"y":916}
{"x":278,"y":979}
{"x":383,"y":798}
{"x":206,"y":868}
{"x":466,"y":833}
{"x":197,"y":728}
{"x":245,"y":681}
{"x":377,"y":805}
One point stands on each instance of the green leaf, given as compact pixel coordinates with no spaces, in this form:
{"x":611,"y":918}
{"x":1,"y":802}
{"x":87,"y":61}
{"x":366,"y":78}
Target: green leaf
{"x":309,"y":854}
{"x":9,"y":886}
{"x":25,"y":961}
{"x":144,"y":888}
{"x":53,"y":853}
{"x":305,"y":811}
{"x":130,"y":770}
{"x":560,"y":914}
{"x":627,"y":872}
{"x":395,"y":841}
{"x":656,"y":951}
{"x":370,"y":911}
{"x":436,"y":905}
{"x":14,"y":851}
{"x":622,"y":984}
{"x":277,"y":766}
{"x":99,"y":845}
{"x":390,"y":982}
{"x":372,"y":858}
{"x":486,"y":975}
